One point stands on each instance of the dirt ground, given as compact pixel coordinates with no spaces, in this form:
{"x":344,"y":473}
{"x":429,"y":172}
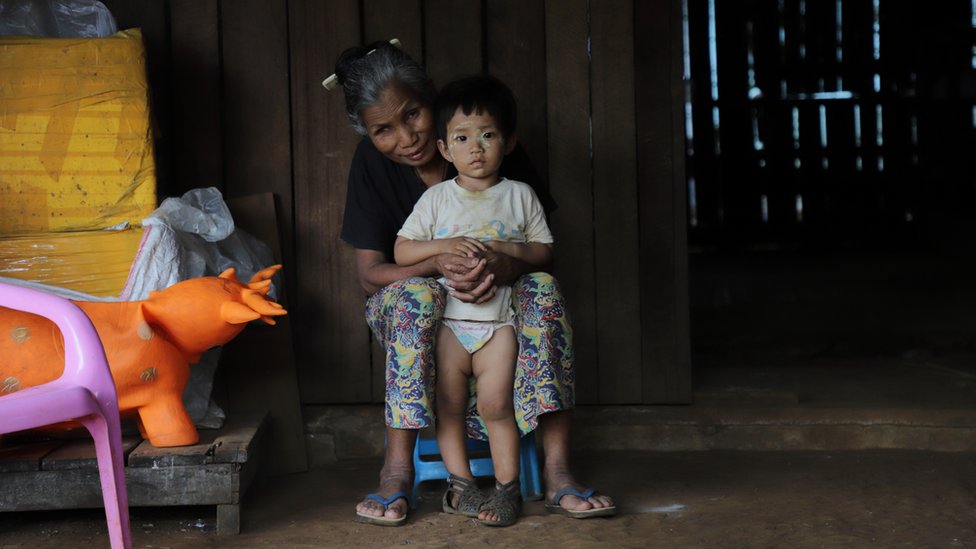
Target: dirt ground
{"x":700,"y":499}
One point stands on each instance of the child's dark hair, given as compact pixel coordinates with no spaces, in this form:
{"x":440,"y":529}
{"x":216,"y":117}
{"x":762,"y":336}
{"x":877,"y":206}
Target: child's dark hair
{"x":477,"y":94}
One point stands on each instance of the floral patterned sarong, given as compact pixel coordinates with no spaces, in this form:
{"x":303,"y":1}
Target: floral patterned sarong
{"x":404,"y":317}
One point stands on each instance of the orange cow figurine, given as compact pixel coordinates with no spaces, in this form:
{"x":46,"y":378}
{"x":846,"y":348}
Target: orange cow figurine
{"x":149,"y":345}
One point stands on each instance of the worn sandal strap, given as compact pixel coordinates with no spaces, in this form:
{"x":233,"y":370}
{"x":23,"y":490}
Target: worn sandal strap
{"x":512,"y":486}
{"x":469,"y":496}
{"x":582,"y":494}
{"x":505,"y":503}
{"x":386,"y":502}
{"x":459,"y":484}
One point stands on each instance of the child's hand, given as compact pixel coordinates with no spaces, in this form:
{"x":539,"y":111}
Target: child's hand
{"x":468,"y":247}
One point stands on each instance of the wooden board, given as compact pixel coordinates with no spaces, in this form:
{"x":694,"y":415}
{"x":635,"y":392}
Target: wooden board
{"x":258,"y":367}
{"x":234,"y":443}
{"x":571,"y":179}
{"x":666,"y":362}
{"x":63,"y":473}
{"x":80,"y":454}
{"x":257,"y":137}
{"x":615,"y":197}
{"x":386,"y":19}
{"x":81,"y":489}
{"x":24,"y":456}
{"x":195,"y":51}
{"x":331,"y":335}
{"x":515,"y":34}
{"x":453,"y":39}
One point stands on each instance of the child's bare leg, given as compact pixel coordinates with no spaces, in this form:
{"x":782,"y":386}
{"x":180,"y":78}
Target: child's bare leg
{"x":453,"y":370}
{"x":494,"y":367}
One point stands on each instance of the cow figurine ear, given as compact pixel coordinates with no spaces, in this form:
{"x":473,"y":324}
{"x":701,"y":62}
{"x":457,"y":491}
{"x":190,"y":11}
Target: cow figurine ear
{"x":237,"y":313}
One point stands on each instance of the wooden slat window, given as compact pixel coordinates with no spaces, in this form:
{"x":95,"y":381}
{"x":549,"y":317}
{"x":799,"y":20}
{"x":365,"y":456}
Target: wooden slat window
{"x":826,"y":123}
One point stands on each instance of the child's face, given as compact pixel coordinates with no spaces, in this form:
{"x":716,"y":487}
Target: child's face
{"x":475,"y":145}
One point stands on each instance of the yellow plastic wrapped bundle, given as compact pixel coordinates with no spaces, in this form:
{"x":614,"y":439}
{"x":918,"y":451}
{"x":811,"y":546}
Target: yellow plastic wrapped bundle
{"x":75,"y":145}
{"x":76,"y":156}
{"x":93,"y":262}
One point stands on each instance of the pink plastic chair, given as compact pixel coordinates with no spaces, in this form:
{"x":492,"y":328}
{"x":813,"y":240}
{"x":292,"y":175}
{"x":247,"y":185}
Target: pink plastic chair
{"x":85,"y":393}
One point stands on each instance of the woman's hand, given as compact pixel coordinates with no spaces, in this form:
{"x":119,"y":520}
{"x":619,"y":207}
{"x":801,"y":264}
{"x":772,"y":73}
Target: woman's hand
{"x":475,"y":280}
{"x":504,"y":268}
{"x":468,"y":277}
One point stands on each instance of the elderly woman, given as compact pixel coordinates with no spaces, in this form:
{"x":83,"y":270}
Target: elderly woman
{"x":388,"y":100}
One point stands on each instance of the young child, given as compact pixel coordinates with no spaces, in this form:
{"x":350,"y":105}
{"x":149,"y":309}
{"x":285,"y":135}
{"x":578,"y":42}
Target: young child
{"x":477,"y":214}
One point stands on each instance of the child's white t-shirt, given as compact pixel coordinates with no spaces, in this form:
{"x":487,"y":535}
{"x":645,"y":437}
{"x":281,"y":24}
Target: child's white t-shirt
{"x":508,"y":211}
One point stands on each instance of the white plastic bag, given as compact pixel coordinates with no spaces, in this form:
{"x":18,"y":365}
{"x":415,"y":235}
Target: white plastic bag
{"x":208,"y":242}
{"x":56,"y":18}
{"x":201,"y":212}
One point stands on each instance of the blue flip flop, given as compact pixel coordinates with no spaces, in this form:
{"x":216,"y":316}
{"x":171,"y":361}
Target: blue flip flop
{"x":553,"y":506}
{"x":383,"y":520}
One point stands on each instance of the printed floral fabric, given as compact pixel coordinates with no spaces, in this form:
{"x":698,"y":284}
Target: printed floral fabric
{"x":404,"y":317}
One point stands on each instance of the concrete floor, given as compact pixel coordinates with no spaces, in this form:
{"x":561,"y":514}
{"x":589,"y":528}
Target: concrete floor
{"x":673,"y":499}
{"x":841,"y":497}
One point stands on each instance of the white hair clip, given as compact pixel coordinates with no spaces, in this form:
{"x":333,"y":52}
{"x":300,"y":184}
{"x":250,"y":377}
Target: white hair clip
{"x":332,"y":81}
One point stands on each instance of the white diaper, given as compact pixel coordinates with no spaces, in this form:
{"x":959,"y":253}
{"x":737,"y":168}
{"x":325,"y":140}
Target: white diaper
{"x":473,"y":334}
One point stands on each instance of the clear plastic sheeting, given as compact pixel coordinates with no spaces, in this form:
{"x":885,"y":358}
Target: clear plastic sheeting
{"x":56,"y":18}
{"x":92,"y":262}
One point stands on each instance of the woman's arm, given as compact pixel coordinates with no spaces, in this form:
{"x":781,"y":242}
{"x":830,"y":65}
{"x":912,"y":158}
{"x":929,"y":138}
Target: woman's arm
{"x":467,"y":275}
{"x":375,"y":270}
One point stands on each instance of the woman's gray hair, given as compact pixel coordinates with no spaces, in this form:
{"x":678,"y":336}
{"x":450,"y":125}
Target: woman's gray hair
{"x":365,"y":72}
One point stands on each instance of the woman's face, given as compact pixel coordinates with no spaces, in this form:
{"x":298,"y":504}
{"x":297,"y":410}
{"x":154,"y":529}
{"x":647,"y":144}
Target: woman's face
{"x":401,"y":126}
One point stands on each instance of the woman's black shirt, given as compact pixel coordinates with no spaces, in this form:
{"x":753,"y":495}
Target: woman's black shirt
{"x":381,"y":194}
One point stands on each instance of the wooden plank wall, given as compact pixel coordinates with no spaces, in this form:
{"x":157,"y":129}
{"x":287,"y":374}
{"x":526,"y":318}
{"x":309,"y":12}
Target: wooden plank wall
{"x":238,"y":100}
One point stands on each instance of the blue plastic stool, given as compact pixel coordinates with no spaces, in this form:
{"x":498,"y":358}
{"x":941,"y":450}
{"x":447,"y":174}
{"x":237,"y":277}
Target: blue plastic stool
{"x":427,"y":465}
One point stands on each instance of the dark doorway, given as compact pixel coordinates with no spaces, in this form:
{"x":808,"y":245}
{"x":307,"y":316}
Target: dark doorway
{"x":830,"y":161}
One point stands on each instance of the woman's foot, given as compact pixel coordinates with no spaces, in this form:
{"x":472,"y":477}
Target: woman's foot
{"x":561,"y":479}
{"x":391,"y":481}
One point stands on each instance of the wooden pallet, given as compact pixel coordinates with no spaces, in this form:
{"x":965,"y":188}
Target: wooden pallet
{"x":63,"y":474}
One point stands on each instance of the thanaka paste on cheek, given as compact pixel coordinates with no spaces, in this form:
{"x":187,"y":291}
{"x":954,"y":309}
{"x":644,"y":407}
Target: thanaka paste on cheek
{"x":485,"y":143}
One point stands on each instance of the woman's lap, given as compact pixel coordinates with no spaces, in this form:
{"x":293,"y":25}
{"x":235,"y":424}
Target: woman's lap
{"x":403,"y":317}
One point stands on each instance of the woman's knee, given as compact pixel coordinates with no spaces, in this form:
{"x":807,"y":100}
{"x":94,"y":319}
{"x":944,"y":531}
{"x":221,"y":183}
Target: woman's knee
{"x":416,"y":302}
{"x":539,"y":297}
{"x":424,"y":295}
{"x":541,"y":280}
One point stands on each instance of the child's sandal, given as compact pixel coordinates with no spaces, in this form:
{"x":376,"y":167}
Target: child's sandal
{"x":469,"y":498}
{"x":505,"y":504}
